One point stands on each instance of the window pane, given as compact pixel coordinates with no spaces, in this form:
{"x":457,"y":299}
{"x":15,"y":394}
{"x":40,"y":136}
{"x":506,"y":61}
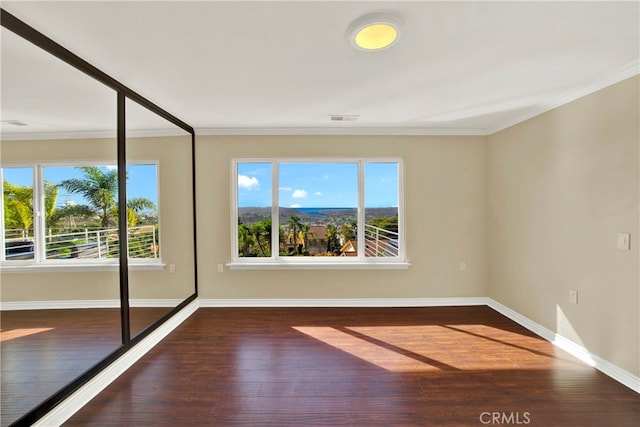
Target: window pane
{"x":81,"y":212}
{"x":318,"y":208}
{"x":142,"y":211}
{"x":81,"y":205}
{"x":381,"y":209}
{"x":18,"y":213}
{"x":254,"y":209}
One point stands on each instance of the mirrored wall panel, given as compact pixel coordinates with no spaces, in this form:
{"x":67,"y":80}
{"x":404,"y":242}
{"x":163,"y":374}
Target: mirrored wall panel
{"x":59,"y":282}
{"x":160,"y":216}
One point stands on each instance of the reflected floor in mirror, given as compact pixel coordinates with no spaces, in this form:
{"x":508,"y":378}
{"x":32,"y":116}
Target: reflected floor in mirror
{"x":436,"y":366}
{"x":44,"y":350}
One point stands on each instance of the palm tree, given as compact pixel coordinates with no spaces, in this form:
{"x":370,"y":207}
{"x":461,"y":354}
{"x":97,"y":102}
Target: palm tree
{"x":98,"y":187}
{"x":294,"y":225}
{"x":305,"y":233}
{"x":260,"y":230}
{"x":333,"y":238}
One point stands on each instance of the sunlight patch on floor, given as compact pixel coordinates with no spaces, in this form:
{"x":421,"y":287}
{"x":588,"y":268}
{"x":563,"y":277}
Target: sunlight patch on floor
{"x":417,"y":348}
{"x":365,"y":350}
{"x":19,"y":333}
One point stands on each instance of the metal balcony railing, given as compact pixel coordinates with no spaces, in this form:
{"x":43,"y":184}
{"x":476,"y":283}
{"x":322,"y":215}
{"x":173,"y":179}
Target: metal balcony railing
{"x":380,"y":242}
{"x":88,"y":243}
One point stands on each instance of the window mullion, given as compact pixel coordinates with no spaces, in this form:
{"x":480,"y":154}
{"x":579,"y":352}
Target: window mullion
{"x":38,"y":214}
{"x":361,"y":211}
{"x":275,"y":211}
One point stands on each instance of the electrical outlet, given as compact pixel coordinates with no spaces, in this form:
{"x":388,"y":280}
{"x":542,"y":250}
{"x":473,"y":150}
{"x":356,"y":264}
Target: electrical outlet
{"x":172,"y":268}
{"x":463,"y":266}
{"x":573,"y":296}
{"x":220,"y":268}
{"x":624,"y":240}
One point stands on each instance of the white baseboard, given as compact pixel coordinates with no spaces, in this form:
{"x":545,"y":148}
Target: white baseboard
{"x":155,"y":302}
{"x":624,"y":377}
{"x":106,"y":303}
{"x":84,"y":394}
{"x":345,"y":302}
{"x":55,"y":305}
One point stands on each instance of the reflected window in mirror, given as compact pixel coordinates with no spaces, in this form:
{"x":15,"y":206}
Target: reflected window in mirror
{"x":18,"y":213}
{"x":79,"y":221}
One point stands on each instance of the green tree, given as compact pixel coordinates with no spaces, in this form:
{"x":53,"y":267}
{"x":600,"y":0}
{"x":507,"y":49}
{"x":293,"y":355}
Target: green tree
{"x":348,"y":230}
{"x":245,"y":240}
{"x":305,"y":233}
{"x":294,"y":225}
{"x":261,"y":231}
{"x":68,"y":213}
{"x":100,"y":188}
{"x":333,"y":239}
{"x":50,"y":200}
{"x":386,"y":223}
{"x":18,"y":204}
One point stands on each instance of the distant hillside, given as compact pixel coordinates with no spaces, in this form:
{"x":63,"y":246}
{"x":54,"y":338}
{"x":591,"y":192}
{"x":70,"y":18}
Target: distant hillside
{"x":313,"y":216}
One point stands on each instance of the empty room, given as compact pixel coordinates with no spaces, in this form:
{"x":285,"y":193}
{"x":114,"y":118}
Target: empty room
{"x":355,"y":213}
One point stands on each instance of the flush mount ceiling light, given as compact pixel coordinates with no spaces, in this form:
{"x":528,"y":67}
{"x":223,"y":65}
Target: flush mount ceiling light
{"x":374,"y":32}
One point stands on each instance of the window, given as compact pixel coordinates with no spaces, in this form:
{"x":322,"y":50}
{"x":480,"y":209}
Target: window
{"x":317,"y":212}
{"x":68,"y":214}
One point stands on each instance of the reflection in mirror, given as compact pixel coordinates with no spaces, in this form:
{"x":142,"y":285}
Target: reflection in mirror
{"x":160,"y":215}
{"x":60,"y":285}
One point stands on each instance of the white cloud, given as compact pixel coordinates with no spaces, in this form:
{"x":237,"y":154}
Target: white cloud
{"x":299,"y":194}
{"x":285,"y":189}
{"x":248,"y":183}
{"x":295,"y":205}
{"x":111,"y":167}
{"x":317,"y":193}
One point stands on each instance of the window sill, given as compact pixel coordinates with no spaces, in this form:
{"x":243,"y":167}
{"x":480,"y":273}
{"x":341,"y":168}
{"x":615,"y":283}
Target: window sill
{"x":285,"y":265}
{"x":76,"y":267}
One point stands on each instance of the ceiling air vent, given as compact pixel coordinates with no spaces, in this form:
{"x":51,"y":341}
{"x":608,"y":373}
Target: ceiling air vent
{"x":344,"y":117}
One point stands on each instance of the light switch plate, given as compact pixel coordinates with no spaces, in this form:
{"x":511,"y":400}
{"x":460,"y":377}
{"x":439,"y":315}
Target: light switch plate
{"x":624,"y":241}
{"x":573,"y":296}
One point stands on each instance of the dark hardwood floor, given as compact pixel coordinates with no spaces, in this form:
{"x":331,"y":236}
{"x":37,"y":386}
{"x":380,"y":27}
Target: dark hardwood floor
{"x":43,"y":350}
{"x":455,"y":366}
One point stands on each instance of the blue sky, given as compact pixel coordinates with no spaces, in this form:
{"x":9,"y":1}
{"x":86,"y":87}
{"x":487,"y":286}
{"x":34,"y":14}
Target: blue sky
{"x":142,"y":180}
{"x":318,"y":185}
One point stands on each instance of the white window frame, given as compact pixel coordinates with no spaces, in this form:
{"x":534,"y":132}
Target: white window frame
{"x":40,"y":263}
{"x":275,"y":261}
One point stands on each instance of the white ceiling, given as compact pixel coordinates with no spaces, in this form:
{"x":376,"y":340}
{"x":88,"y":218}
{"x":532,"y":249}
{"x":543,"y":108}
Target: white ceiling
{"x":285,"y":67}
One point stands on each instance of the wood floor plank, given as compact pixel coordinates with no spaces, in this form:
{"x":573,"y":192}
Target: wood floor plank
{"x":438,"y":366}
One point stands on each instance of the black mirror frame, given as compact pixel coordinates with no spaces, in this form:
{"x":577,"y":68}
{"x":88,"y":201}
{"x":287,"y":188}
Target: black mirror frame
{"x":30,"y":34}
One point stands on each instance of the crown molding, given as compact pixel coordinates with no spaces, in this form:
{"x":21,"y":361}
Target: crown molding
{"x":106,"y":134}
{"x":343,"y":131}
{"x":623,"y":73}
